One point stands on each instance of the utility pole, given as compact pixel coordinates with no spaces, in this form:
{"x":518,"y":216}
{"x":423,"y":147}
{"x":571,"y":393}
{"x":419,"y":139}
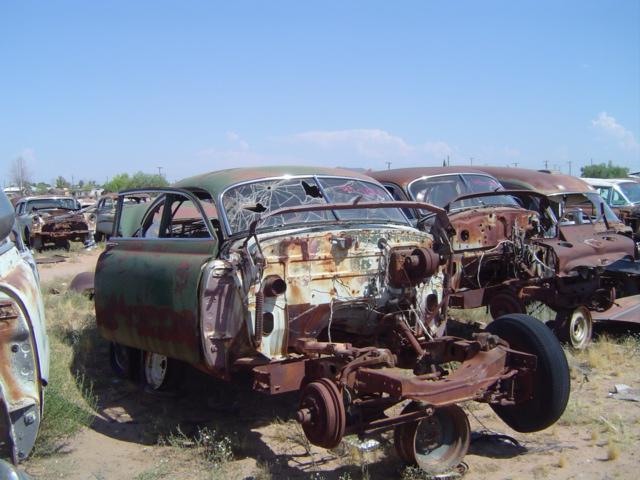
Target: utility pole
{"x":448,"y":161}
{"x":388,"y":165}
{"x":470,"y":160}
{"x":159,"y":170}
{"x":515,"y":164}
{"x":569,"y":162}
{"x":546,"y":164}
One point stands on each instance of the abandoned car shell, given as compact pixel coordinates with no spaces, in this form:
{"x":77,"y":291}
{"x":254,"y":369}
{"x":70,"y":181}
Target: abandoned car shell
{"x":313,"y":280}
{"x":24,"y":365}
{"x":52,"y":219}
{"x":518,"y":246}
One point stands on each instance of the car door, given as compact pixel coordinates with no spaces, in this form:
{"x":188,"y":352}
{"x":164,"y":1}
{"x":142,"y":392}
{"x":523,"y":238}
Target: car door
{"x":148,"y":280}
{"x":105,"y":213}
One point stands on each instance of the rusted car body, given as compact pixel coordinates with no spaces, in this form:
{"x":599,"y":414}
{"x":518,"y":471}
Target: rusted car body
{"x":24,"y":351}
{"x":623,"y":196}
{"x":589,"y":223}
{"x":105,"y":211}
{"x":312,"y":280}
{"x":45,"y":220}
{"x":519,"y":245}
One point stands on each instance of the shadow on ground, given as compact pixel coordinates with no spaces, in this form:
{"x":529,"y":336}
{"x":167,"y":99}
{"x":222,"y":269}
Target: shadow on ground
{"x":127,"y":412}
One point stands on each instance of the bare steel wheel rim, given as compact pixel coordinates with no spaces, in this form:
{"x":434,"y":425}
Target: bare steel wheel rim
{"x":580,"y":327}
{"x":155,"y":369}
{"x":441,"y":440}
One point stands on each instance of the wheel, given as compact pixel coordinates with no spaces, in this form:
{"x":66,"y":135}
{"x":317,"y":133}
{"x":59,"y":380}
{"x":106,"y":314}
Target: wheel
{"x":504,"y":303}
{"x":551,"y":382}
{"x":161,"y":373}
{"x":125,"y":361}
{"x":322,"y":413}
{"x":36,"y":243}
{"x":575,"y":328}
{"x":98,"y":236}
{"x":63,"y":244}
{"x":438,"y":443}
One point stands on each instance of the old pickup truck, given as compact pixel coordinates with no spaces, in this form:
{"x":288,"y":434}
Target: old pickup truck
{"x":313,"y":280}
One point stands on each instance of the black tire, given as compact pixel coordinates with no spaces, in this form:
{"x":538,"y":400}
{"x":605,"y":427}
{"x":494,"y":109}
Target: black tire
{"x":98,"y":236}
{"x":36,"y":244}
{"x":63,"y":244}
{"x":171,"y":376}
{"x":551,"y":382}
{"x":125,"y":361}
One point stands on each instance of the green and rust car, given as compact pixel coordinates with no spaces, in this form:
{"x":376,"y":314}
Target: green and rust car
{"x":313,"y":280}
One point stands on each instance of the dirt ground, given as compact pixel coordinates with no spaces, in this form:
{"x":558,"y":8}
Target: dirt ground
{"x":212,"y":430}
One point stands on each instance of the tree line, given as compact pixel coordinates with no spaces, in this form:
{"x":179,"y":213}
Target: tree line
{"x":21,"y":177}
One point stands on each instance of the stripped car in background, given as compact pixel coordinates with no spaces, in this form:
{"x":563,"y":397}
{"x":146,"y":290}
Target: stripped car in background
{"x":514,"y":249}
{"x":105,"y":211}
{"x":24,"y":348}
{"x":54,"y":220}
{"x":587,"y":223}
{"x":313,"y":280}
{"x":623,"y":196}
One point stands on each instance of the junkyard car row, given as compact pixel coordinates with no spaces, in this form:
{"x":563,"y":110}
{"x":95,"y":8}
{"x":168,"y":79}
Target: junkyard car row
{"x":340,"y":286}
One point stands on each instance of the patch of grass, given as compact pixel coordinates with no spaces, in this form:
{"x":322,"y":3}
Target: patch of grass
{"x":562,"y":461}
{"x":157,"y":472}
{"x":262,"y":471}
{"x":613,"y":450}
{"x":291,"y":432}
{"x":471,"y":315}
{"x":213,"y":448}
{"x":578,"y":412}
{"x":69,"y":399}
{"x":609,"y":354}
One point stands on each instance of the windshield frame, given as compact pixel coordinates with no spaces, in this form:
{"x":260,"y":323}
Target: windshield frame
{"x":316,"y":178}
{"x":597,"y":200}
{"x":459,"y":174}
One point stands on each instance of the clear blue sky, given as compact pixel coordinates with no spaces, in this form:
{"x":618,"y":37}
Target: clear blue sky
{"x":91,"y":89}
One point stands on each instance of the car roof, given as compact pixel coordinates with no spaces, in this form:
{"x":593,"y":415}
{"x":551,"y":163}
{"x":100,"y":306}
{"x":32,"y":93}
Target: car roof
{"x":46,"y":197}
{"x":548,"y":183}
{"x":216,"y":182}
{"x":404,"y":176}
{"x":609,"y":182}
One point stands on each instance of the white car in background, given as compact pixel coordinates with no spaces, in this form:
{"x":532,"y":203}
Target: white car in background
{"x":623,"y":196}
{"x":24,"y":348}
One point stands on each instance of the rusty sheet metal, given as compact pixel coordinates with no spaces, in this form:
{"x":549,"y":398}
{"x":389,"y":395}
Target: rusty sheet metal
{"x":625,"y":309}
{"x":158,"y":316}
{"x":322,"y":273}
{"x":579,"y":246}
{"x":482,"y":228}
{"x":24,"y":354}
{"x":543,"y":182}
{"x":83,"y":283}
